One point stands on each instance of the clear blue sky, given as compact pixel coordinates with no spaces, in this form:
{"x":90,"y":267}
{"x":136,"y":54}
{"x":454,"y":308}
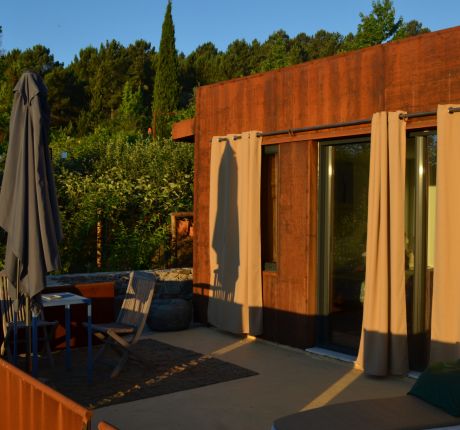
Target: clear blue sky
{"x":66,"y":26}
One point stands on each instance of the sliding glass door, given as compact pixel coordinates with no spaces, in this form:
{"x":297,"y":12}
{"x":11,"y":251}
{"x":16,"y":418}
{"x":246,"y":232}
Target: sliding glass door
{"x":344,"y":180}
{"x":343,"y":191}
{"x":420,"y":203}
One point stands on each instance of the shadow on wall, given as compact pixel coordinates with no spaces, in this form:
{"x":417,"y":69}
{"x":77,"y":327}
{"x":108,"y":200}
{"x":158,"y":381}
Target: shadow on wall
{"x":225,"y":240}
{"x":288,"y":328}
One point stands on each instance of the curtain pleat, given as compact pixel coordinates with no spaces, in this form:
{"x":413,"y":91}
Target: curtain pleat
{"x":235,"y":299}
{"x":383,"y":345}
{"x":445,"y":320}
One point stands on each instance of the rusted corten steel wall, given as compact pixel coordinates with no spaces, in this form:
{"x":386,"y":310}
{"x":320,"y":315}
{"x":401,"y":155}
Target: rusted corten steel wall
{"x":413,"y":74}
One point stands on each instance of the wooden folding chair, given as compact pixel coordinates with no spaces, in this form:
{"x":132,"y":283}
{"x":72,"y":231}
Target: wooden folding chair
{"x":7,"y":311}
{"x":125,"y":332}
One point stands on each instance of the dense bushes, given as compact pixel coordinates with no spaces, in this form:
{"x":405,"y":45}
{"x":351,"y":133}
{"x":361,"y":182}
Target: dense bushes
{"x":129,"y":185}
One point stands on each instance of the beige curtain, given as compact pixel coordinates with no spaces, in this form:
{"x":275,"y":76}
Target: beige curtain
{"x":235,"y":302}
{"x":383,"y":346}
{"x":445,"y":322}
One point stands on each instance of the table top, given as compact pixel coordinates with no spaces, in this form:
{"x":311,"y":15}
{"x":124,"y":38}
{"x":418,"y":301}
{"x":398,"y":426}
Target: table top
{"x":63,"y":299}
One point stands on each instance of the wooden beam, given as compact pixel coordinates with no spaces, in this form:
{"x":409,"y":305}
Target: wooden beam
{"x":184,"y":131}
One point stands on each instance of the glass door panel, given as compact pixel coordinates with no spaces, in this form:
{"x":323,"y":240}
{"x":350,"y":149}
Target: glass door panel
{"x":344,"y":176}
{"x":344,"y":190}
{"x":419,"y":235}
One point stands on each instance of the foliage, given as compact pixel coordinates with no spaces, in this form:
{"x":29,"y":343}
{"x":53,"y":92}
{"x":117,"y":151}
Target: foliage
{"x":127,"y":183}
{"x":65,"y":94}
{"x":411,"y":28}
{"x":324,"y":44}
{"x":141,"y":74}
{"x":107,"y":82}
{"x":350,"y":220}
{"x":92,"y":91}
{"x":4,"y":104}
{"x":202,"y":66}
{"x":167,"y":89}
{"x":12,"y":65}
{"x":239,"y":60}
{"x":380,"y":26}
{"x":130,"y":113}
{"x":101,"y":106}
{"x":275,"y":51}
{"x":377,"y":27}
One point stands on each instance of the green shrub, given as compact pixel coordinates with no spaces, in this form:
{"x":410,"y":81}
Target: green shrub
{"x":129,"y":185}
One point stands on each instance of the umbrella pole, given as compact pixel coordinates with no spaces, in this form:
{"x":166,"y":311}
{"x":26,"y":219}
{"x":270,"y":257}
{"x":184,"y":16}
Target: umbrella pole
{"x":27,"y":323}
{"x":15,"y":318}
{"x":29,"y":336}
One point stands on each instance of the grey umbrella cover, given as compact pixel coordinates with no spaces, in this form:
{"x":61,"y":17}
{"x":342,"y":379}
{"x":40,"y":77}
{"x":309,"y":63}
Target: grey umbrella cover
{"x":28,"y":205}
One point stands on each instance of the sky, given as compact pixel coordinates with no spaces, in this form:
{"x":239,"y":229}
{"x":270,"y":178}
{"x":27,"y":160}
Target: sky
{"x":66,"y":26}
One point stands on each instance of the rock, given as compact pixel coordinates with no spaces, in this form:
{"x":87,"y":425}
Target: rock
{"x":170,"y":314}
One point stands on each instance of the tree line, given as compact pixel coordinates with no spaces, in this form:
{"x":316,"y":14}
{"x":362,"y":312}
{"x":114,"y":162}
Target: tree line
{"x":118,"y":174}
{"x":116,"y":84}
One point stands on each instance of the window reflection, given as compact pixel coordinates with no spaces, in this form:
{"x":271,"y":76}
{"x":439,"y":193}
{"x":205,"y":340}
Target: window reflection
{"x":420,"y":203}
{"x":269,"y":207}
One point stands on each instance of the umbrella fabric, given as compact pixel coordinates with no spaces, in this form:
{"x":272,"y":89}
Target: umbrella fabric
{"x":28,"y":205}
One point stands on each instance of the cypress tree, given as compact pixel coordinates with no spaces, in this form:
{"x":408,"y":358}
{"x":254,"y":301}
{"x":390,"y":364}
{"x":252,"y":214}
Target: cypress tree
{"x":167,"y":88}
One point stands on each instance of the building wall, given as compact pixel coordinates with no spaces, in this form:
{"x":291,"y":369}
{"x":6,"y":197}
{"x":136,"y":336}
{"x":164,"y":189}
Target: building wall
{"x":414,"y":74}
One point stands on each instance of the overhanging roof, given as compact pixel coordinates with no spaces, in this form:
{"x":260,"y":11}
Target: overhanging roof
{"x":184,"y":131}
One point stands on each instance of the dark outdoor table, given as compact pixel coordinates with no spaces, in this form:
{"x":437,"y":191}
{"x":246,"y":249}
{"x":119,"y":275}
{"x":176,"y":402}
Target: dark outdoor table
{"x":102,"y":295}
{"x":67,"y":300}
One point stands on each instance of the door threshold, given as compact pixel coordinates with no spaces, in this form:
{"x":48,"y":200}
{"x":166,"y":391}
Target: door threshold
{"x":414,"y":374}
{"x":331,"y":354}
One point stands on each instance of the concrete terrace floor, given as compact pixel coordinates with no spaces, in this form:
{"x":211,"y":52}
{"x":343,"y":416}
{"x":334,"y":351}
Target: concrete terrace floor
{"x":288,"y":381}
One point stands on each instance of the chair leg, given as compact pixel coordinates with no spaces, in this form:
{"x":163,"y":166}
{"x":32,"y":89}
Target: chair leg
{"x":5,"y":348}
{"x":48,"y":335}
{"x":100,"y":352}
{"x":138,"y":357}
{"x":9,"y":355}
{"x":49,"y":353}
{"x":120,"y":365}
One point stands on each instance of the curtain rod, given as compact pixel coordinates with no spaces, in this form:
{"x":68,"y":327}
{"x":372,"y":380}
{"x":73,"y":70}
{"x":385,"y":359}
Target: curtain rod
{"x":339,"y":124}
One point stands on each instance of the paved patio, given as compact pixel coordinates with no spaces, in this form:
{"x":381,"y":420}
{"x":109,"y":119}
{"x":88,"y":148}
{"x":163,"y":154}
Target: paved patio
{"x":288,"y":381}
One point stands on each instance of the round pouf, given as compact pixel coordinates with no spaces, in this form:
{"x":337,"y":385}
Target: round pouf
{"x":170,"y":314}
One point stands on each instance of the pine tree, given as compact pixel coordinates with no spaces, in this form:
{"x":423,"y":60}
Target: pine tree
{"x":130,"y":112}
{"x":167,"y":88}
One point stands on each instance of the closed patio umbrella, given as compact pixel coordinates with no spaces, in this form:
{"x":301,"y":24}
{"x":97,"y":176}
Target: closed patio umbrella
{"x":28,"y":205}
